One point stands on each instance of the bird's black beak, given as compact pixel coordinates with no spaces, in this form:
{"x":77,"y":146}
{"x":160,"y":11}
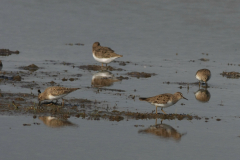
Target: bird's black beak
{"x":184,"y":98}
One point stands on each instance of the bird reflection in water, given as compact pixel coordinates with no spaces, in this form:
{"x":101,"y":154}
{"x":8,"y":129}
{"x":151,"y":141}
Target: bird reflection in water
{"x":103,"y":79}
{"x":202,"y":95}
{"x":163,"y":131}
{"x":56,"y":122}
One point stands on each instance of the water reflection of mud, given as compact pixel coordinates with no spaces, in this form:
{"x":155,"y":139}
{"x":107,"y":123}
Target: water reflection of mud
{"x":103,"y":79}
{"x":1,"y":65}
{"x":56,"y":122}
{"x":163,"y":131}
{"x":202,"y":95}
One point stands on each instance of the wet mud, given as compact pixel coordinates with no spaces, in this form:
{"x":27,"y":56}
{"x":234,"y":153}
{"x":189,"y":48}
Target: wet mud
{"x":27,"y":104}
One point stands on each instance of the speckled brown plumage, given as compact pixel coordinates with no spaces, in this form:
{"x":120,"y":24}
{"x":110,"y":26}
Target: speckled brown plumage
{"x":55,"y":91}
{"x":203,"y":75}
{"x":164,"y":100}
{"x":103,"y":52}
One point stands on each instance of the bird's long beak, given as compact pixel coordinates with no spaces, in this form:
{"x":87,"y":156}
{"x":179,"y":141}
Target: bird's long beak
{"x":184,"y":98}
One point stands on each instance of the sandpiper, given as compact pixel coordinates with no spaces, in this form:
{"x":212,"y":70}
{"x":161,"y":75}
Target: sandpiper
{"x":54,"y":93}
{"x":203,"y":75}
{"x":103,"y":54}
{"x":164,"y":100}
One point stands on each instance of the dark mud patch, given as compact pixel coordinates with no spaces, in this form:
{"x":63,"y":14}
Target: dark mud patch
{"x":31,"y":67}
{"x":108,"y":89}
{"x":14,"y":78}
{"x":78,"y":44}
{"x":162,"y":116}
{"x":54,"y":62}
{"x":98,"y":68}
{"x":141,"y":74}
{"x":234,"y":75}
{"x":122,"y":78}
{"x":183,"y":84}
{"x":7,"y":52}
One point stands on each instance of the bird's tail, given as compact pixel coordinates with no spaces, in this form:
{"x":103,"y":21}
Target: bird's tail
{"x":143,"y":99}
{"x":118,"y":55}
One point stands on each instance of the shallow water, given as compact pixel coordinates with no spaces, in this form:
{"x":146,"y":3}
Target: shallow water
{"x":148,"y":34}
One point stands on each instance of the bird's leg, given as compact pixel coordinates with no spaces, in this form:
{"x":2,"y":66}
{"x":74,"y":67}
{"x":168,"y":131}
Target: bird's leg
{"x":199,"y":84}
{"x":39,"y":104}
{"x":156,"y":110}
{"x":163,"y":111}
{"x":156,"y":121}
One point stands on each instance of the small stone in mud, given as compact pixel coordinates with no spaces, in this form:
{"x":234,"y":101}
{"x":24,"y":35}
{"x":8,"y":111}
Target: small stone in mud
{"x":17,"y":78}
{"x":218,"y":119}
{"x":26,"y":124}
{"x":71,"y":79}
{"x":64,"y":79}
{"x":34,"y":117}
{"x":52,"y":82}
{"x":1,"y":63}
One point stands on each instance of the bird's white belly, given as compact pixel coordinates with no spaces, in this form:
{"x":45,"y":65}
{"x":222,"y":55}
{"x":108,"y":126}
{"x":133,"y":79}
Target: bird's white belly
{"x":168,"y":104}
{"x":104,"y":60}
{"x":51,"y":97}
{"x":198,"y":78}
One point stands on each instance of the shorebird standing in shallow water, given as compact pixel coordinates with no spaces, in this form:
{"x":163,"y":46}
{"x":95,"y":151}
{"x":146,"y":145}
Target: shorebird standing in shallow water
{"x":103,"y":54}
{"x":54,"y":93}
{"x":203,"y":75}
{"x":164,"y":100}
